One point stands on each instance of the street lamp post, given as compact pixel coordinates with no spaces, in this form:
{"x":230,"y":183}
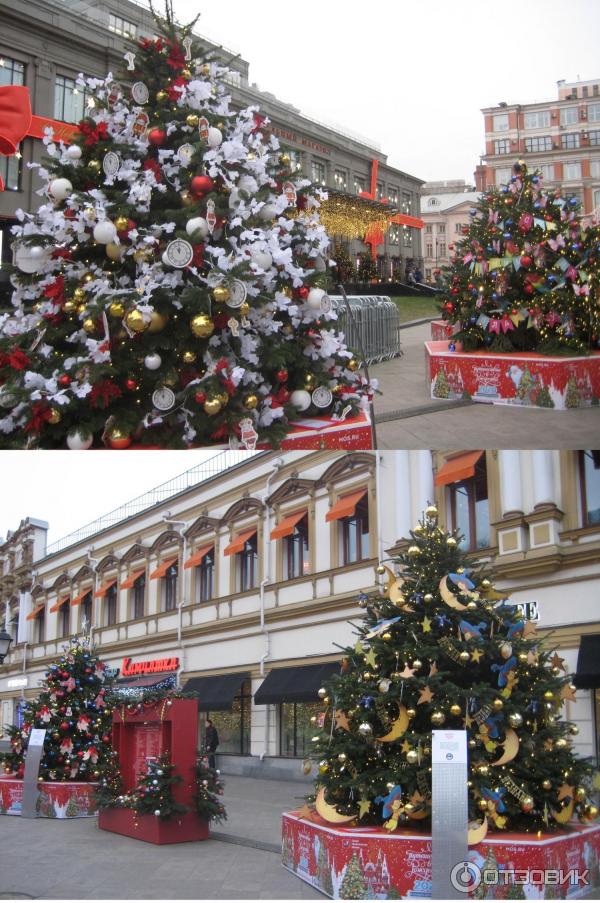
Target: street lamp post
{"x":5,"y":643}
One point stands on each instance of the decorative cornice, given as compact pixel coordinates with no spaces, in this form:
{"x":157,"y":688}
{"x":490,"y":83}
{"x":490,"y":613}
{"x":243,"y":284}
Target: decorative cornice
{"x":293,"y":487}
{"x":167,"y":538}
{"x":202,"y":524}
{"x":348,"y":463}
{"x":137,"y":550}
{"x":240,"y":508}
{"x":109,"y":562}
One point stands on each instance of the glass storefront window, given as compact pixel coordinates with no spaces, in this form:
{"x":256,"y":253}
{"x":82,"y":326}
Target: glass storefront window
{"x":233,"y":727}
{"x":295,"y":728}
{"x":470,"y":509}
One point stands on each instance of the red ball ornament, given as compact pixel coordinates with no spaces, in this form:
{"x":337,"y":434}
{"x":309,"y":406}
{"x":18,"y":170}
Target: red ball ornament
{"x":105,"y":738}
{"x":201,"y":185}
{"x":528,"y":288}
{"x":200,"y":397}
{"x":80,"y":754}
{"x":282,"y":376}
{"x":526,"y":260}
{"x":64,"y":380}
{"x":131,"y":384}
{"x":449,"y":306}
{"x":157,"y":137}
{"x":303,"y":292}
{"x":124,"y":233}
{"x":64,"y":726}
{"x":454,"y":291}
{"x":120,"y":442}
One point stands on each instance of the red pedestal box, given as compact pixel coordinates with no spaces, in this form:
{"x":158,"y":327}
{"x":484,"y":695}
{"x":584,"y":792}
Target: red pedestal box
{"x":389,"y":866}
{"x":57,"y":799}
{"x":169,"y":726}
{"x":321,"y":432}
{"x":441,"y":329}
{"x":181,"y":829}
{"x":527,"y":380}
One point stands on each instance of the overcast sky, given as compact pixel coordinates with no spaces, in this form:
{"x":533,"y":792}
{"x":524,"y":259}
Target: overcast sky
{"x":413,"y":76}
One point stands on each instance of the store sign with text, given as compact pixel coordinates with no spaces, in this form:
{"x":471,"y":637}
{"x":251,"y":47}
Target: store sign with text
{"x":156,"y":666}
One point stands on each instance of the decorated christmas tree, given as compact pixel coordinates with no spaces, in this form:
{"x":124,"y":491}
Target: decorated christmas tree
{"x":153,"y":794}
{"x":171,"y":290}
{"x":209,"y":789}
{"x":74,"y":713}
{"x":353,"y":884}
{"x":345,"y":271}
{"x":526,"y":276}
{"x":442,"y":647}
{"x":367,"y":270}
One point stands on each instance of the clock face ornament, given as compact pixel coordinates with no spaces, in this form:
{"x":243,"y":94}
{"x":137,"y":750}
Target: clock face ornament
{"x":237,"y":293}
{"x":111,"y":163}
{"x":322,"y":397}
{"x":139,"y":92}
{"x":179,"y":253}
{"x":163,"y":398}
{"x":185,"y":153}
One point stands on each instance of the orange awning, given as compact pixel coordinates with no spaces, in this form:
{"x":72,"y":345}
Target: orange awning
{"x":79,"y":599}
{"x":286,"y":526}
{"x":197,"y":557}
{"x":59,"y":604}
{"x":128,"y":584}
{"x":346,"y":506}
{"x":458,"y":468}
{"x":162,"y":569}
{"x":35,"y":612}
{"x":238,"y":543}
{"x":105,"y":588}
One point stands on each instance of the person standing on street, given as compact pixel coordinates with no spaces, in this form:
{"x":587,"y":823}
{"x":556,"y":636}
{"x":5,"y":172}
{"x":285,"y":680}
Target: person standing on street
{"x":212,"y":742}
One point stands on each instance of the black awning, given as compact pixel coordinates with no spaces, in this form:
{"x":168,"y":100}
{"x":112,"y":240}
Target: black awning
{"x":300,"y":684}
{"x":217,"y":692}
{"x":150,"y":681}
{"x":587,"y":676}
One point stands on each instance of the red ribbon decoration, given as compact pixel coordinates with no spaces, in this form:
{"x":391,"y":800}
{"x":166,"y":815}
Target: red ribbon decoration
{"x":15,"y":119}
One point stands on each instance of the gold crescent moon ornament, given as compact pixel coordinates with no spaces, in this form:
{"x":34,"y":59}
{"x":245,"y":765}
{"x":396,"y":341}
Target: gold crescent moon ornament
{"x":565,"y":814}
{"x":511,"y":747}
{"x":449,"y":597}
{"x":398,"y":727}
{"x":477,"y":833}
{"x":394,"y":590}
{"x":328,"y":812}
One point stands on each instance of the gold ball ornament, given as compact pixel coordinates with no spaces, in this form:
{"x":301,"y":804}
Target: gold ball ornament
{"x":285,"y":159}
{"x":352,"y":365}
{"x":89,"y":325}
{"x":580,"y":794}
{"x":114,"y":251}
{"x":472,"y":744}
{"x":411,"y":713}
{"x":483,"y":769}
{"x":89,"y":277}
{"x":221,"y":294}
{"x":485,"y":583}
{"x":69,"y":307}
{"x":413,"y":551}
{"x":202,"y":326}
{"x":464,"y":656}
{"x":117,"y":310}
{"x":121,"y":223}
{"x":548,"y":695}
{"x":428,"y":598}
{"x":188,"y":357}
{"x":205,"y":70}
{"x":323,"y":767}
{"x":438,"y":718}
{"x":547,"y":785}
{"x":418,"y":529}
{"x":471,"y":605}
{"x":561,"y":743}
{"x":342,"y":757}
{"x":54,"y":416}
{"x":158,"y":321}
{"x":592,"y":811}
{"x":244,"y":309}
{"x":515,"y":719}
{"x":79,"y":294}
{"x":417,"y":664}
{"x":250,"y":402}
{"x":451,"y":542}
{"x":380,"y":569}
{"x":212,"y":406}
{"x":386,"y":636}
{"x":94,"y":165}
{"x":309,"y":381}
{"x":455,"y":709}
{"x":482,"y":804}
{"x":431,"y":512}
{"x":498,"y":704}
{"x":192,"y":120}
{"x":412,"y":757}
{"x":186,"y":198}
{"x":161,"y":95}
{"x":141,"y":255}
{"x":573,"y":730}
{"x":135,"y":321}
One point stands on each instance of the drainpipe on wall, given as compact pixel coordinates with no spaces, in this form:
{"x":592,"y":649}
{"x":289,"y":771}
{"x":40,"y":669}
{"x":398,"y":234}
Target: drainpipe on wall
{"x":277,"y":465}
{"x":181,"y":602}
{"x":91,"y":560}
{"x":378,"y":507}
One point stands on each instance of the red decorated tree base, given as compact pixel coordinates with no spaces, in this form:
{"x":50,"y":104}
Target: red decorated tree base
{"x":60,"y":799}
{"x":150,"y":828}
{"x":441,"y":330}
{"x":375,"y":864}
{"x":528,"y":380}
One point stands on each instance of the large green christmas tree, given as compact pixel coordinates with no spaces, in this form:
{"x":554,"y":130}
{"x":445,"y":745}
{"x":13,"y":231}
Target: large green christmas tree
{"x":73,"y":710}
{"x":171,"y":290}
{"x":526,"y":276}
{"x":442,"y":647}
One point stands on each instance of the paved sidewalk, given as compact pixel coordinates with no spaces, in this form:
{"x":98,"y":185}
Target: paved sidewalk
{"x":73,"y":860}
{"x":407,"y":417}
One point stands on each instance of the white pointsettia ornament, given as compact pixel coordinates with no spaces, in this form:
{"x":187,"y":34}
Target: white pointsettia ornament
{"x":73,"y":152}
{"x":215,"y":137}
{"x":78,"y":439}
{"x":197,"y":225}
{"x":248,"y":184}
{"x":105,"y":232}
{"x":261,"y":258}
{"x":152,"y":361}
{"x":60,"y":189}
{"x":301,"y":399}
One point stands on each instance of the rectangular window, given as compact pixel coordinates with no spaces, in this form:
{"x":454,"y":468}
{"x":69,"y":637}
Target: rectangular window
{"x":594,"y":138}
{"x":86,"y":611}
{"x":10,"y":171}
{"x":359,"y":184}
{"x":458,"y":227}
{"x":568,"y":116}
{"x":246,"y":565}
{"x":170,"y":588}
{"x":110,"y":606}
{"x":393,"y":195}
{"x":589,"y":463}
{"x":595,"y":169}
{"x":500,"y":122}
{"x":441,"y":228}
{"x":139,"y":596}
{"x":538,"y":143}
{"x":502,"y":147}
{"x":441,"y":249}
{"x":547,"y":171}
{"x":64,"y":620}
{"x":502,"y":176}
{"x":340,"y":179}
{"x":39,"y":632}
{"x":596,"y":199}
{"x":394,"y":234}
{"x":318,"y":172}
{"x":233,"y":727}
{"x":407,"y":202}
{"x":407,"y":237}
{"x":571,"y":140}
{"x":11,"y":72}
{"x":121,"y":26}
{"x":295,"y":728}
{"x":429,"y":249}
{"x":427,"y":275}
{"x":296,"y":158}
{"x":537,"y":119}
{"x":204,"y":577}
{"x":593,"y":112}
{"x":379,"y":191}
{"x":69,"y":100}
{"x":571,"y":171}
{"x":296,"y":562}
{"x":354,"y":532}
{"x":428,"y":230}
{"x":470,"y":509}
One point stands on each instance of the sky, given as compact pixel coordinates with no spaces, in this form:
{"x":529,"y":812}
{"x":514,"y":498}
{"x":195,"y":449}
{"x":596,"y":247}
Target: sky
{"x":413,"y":76}
{"x":70,"y":489}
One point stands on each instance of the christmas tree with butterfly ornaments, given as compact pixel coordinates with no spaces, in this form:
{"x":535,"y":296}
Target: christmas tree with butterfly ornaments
{"x":439,"y":646}
{"x":171,"y":290}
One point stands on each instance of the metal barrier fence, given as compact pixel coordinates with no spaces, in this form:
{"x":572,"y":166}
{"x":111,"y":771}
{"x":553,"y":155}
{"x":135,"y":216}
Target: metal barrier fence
{"x":373,"y":329}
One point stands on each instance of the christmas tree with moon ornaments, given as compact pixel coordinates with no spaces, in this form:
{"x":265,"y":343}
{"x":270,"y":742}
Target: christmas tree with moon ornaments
{"x":441,"y":647}
{"x":171,"y":290}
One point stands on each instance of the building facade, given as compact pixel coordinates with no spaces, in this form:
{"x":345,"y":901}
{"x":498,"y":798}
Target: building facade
{"x":45,"y":44}
{"x":243,"y":586}
{"x":445,"y":211}
{"x":561,"y":137}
